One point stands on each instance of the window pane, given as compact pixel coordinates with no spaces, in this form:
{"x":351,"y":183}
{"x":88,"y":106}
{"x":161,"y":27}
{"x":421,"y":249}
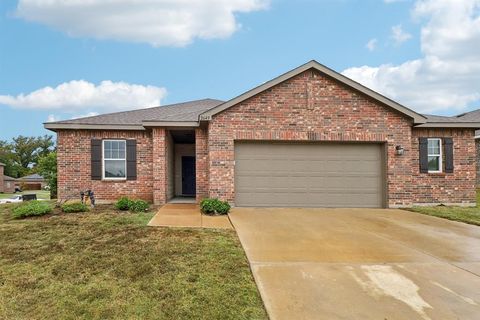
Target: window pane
{"x":433,"y":163}
{"x":114,"y":149}
{"x":122,"y":146}
{"x":433,"y":146}
{"x":115,"y":169}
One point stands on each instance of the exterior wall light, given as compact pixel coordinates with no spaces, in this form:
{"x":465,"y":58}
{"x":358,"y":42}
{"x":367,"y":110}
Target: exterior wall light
{"x":399,"y":150}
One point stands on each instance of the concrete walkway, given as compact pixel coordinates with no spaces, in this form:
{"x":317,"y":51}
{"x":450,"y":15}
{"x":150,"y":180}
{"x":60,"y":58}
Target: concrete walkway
{"x":361,"y":263}
{"x":187,"y":215}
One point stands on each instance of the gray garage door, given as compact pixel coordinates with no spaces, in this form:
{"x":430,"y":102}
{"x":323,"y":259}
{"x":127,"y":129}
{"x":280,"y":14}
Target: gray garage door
{"x":308,"y":175}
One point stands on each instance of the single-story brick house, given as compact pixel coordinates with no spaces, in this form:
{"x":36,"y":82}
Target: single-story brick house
{"x":31,"y":182}
{"x":308,"y":138}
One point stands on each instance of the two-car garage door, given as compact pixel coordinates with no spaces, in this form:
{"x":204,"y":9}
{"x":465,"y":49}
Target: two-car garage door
{"x":309,"y":175}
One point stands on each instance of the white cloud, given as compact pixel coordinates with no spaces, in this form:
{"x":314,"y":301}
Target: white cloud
{"x":53,"y":118}
{"x":82,"y":96}
{"x":371,"y":44}
{"x":398,"y":35}
{"x":158,"y":22}
{"x":446,"y":78}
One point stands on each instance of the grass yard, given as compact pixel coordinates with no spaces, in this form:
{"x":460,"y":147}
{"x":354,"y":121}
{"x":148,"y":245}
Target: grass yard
{"x":41,"y":194}
{"x":107,"y":264}
{"x":470,"y":215}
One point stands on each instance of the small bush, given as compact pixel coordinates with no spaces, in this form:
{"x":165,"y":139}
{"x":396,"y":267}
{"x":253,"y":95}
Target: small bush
{"x":71,"y":207}
{"x":31,"y":208}
{"x":139,"y":206}
{"x":123,"y":204}
{"x":132,"y":205}
{"x":214,"y":206}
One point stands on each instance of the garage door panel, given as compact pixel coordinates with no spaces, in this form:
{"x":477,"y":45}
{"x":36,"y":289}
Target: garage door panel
{"x":308,"y":175}
{"x":301,"y":200}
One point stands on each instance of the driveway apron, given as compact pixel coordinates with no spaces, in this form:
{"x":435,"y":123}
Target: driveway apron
{"x":361,"y":263}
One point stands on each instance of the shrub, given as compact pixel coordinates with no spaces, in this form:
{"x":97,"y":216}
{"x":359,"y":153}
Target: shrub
{"x":123,"y":204}
{"x":132,"y":205}
{"x":71,"y":207}
{"x":214,"y":206}
{"x":31,"y":208}
{"x":139,"y":206}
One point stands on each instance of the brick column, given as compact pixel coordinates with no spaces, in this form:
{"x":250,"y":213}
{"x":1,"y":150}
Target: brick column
{"x":159,"y":165}
{"x":201,"y":156}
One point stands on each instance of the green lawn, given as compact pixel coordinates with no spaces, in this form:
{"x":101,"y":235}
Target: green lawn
{"x":109,"y":265}
{"x":41,"y":194}
{"x":469,"y":215}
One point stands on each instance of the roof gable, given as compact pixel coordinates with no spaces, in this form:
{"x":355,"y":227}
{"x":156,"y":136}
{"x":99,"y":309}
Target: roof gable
{"x":418,"y":118}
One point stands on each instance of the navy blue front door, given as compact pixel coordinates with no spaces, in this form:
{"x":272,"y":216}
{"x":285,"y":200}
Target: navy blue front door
{"x":188,"y":176}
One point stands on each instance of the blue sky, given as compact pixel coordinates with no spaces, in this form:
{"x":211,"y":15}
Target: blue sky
{"x":378,"y":43}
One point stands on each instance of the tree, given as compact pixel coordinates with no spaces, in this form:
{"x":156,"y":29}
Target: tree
{"x":29,"y":149}
{"x":8,"y":158}
{"x":21,"y":155}
{"x":47,"y":167}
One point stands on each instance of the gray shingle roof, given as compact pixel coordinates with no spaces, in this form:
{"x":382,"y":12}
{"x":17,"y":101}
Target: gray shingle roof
{"x":8,"y":178}
{"x":473,"y":116}
{"x":444,"y":119}
{"x":186,"y":111}
{"x":34,"y":176}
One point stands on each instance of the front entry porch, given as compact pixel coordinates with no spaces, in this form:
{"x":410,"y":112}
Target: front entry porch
{"x":180,"y":172}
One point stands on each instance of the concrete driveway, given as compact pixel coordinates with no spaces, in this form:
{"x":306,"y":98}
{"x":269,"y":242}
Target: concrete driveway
{"x":361,"y":263}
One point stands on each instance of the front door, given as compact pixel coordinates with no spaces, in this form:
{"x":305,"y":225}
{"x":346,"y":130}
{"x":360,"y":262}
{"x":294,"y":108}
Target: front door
{"x":188,"y":176}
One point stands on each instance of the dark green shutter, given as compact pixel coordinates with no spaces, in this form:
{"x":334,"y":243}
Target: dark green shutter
{"x":131,"y":160}
{"x":448,"y":148}
{"x":423,"y":155}
{"x":96,"y":159}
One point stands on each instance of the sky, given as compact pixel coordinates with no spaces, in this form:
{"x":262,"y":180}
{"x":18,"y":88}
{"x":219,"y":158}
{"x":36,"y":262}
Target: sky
{"x":66,"y":59}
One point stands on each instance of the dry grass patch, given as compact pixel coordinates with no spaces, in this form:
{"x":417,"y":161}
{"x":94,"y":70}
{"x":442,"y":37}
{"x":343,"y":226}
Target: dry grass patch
{"x":109,"y":265}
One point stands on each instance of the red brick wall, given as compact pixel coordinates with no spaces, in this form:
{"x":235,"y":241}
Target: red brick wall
{"x":74,"y":168}
{"x":201,"y":154}
{"x":313,"y":107}
{"x":457,"y":187}
{"x":159,"y":141}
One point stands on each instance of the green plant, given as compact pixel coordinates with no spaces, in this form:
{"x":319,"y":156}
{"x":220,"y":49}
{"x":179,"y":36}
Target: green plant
{"x":133,"y":205}
{"x":47,"y":167}
{"x":71,"y":207}
{"x":214,"y":206}
{"x":123,"y":204}
{"x":138,"y":205}
{"x":31,"y":208}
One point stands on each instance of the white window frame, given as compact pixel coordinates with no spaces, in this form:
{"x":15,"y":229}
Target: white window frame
{"x":103,"y":160}
{"x":440,"y":155}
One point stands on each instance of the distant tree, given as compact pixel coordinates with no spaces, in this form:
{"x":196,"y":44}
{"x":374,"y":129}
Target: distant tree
{"x":47,"y":167}
{"x":21,"y":155}
{"x":8,"y":158}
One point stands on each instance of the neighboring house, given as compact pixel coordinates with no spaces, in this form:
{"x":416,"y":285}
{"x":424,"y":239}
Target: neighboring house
{"x":7,"y":184}
{"x":31,"y":182}
{"x":308,"y":138}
